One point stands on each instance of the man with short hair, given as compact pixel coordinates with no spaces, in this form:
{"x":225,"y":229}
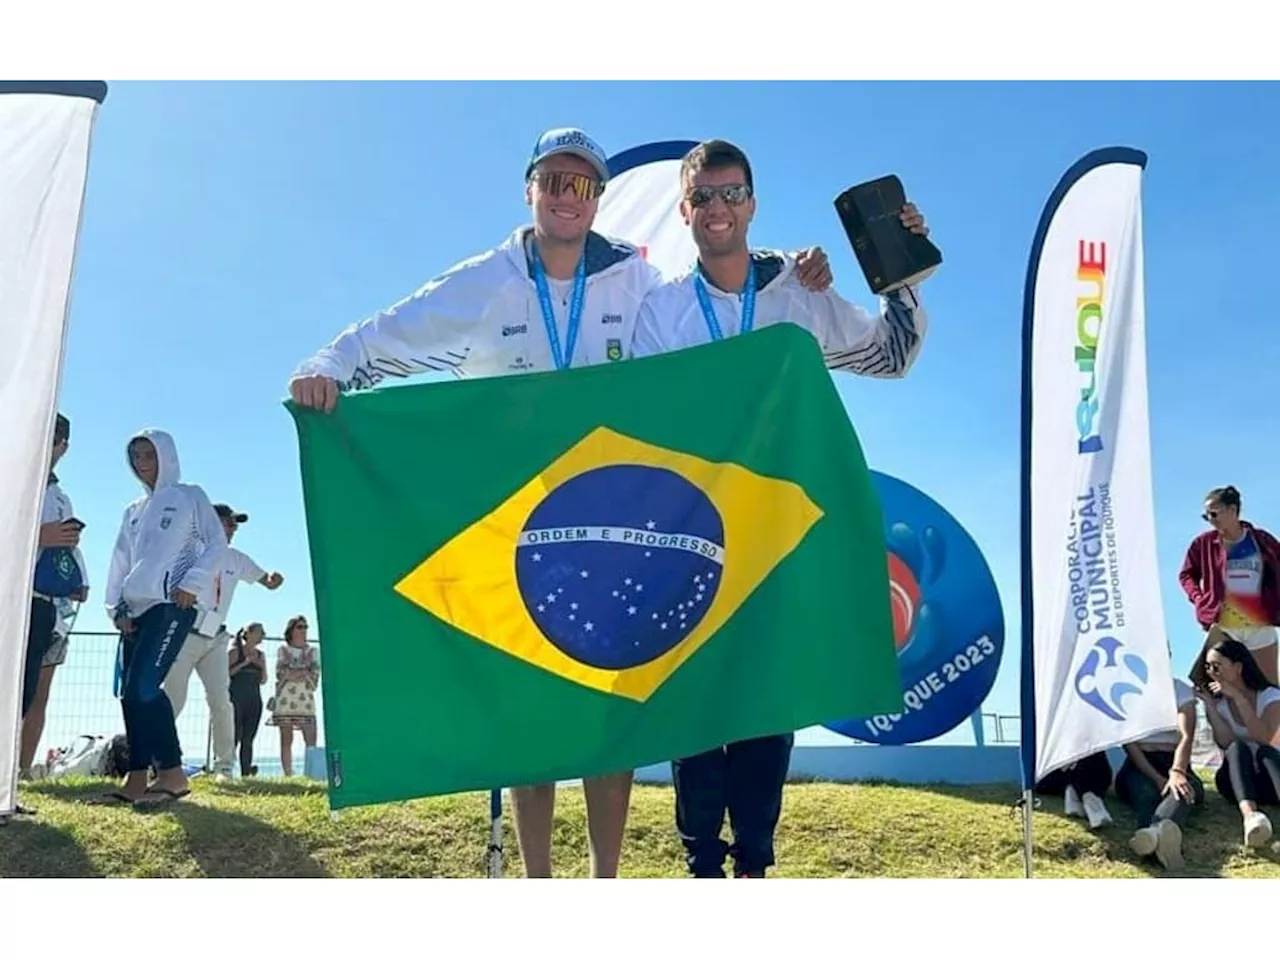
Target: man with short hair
{"x":50,"y":611}
{"x":731,"y":290}
{"x":165,"y":556}
{"x":205,"y":649}
{"x":553,"y":295}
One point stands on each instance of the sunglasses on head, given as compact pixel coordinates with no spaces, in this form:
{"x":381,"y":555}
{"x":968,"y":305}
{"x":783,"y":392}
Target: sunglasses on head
{"x":733,"y":194}
{"x":558,"y":183}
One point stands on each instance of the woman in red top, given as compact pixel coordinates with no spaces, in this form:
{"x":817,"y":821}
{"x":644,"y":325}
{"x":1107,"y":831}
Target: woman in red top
{"x":1231,"y":575}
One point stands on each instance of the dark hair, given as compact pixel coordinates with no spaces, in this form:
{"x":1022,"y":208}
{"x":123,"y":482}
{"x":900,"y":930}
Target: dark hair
{"x":1224,"y":496}
{"x":714,"y":155}
{"x":1250,"y":673}
{"x":240,"y":634}
{"x":61,"y":429}
{"x":288,"y":630}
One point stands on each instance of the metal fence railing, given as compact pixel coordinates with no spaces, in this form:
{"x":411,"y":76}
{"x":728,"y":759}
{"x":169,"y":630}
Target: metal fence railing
{"x":82,"y":702}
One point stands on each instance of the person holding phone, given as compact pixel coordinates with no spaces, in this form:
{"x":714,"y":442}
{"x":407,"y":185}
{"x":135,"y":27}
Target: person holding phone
{"x":59,"y":580}
{"x":1243,"y":709}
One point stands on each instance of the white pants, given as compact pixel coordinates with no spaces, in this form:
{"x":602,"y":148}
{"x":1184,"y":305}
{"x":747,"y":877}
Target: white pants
{"x":208,"y":657}
{"x":1255,"y":638}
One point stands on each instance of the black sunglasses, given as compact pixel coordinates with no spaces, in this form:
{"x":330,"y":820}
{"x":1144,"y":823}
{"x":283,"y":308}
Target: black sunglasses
{"x":733,"y":194}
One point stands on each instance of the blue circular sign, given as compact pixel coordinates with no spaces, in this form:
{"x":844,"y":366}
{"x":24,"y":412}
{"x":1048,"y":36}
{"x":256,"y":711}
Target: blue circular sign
{"x":619,"y":564}
{"x":948,"y":623}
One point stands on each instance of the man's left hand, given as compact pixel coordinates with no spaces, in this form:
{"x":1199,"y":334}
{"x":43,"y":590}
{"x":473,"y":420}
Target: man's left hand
{"x":183,"y":599}
{"x":913,"y":220}
{"x":813,"y":269}
{"x":273,"y":581}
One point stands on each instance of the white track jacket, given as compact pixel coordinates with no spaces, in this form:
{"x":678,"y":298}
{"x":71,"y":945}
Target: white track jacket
{"x":482,"y":318}
{"x":169,"y":538}
{"x":851,"y":338}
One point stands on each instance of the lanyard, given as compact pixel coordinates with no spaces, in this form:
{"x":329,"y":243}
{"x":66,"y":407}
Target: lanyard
{"x":748,"y":299}
{"x":561,"y":360}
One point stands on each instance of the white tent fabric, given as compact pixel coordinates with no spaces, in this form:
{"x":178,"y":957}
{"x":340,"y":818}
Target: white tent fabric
{"x":45,"y":129}
{"x":641,"y":205}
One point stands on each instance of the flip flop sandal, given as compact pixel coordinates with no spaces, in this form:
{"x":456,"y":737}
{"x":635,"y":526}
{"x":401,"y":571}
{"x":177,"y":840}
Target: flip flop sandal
{"x":157,"y":798}
{"x":116,"y":798}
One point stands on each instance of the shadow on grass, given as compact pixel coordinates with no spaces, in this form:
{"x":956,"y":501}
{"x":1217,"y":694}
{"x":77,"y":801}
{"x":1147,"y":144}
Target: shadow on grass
{"x":256,"y":787}
{"x":74,"y":790}
{"x":29,"y":848}
{"x":232,"y":845}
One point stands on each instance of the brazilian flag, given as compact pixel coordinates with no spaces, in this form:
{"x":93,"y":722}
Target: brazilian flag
{"x":546,"y":576}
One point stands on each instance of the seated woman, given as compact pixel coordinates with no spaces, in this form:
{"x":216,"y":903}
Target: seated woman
{"x":1157,"y":781}
{"x":1081,"y":786}
{"x":1244,"y":711}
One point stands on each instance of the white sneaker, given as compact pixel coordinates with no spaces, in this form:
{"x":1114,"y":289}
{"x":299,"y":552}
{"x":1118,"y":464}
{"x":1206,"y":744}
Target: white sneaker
{"x":1144,"y":841}
{"x":222,"y":776}
{"x":1096,"y":811}
{"x":1257,"y":829}
{"x":1169,"y":845}
{"x":1071,"y":801}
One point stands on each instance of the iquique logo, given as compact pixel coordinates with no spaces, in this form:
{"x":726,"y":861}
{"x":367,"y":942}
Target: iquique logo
{"x":1091,"y":274}
{"x":947,"y":621}
{"x":1107,"y":677}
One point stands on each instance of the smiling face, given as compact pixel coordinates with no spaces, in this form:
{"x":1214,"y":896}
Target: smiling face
{"x":718,"y":206}
{"x":564,"y":192}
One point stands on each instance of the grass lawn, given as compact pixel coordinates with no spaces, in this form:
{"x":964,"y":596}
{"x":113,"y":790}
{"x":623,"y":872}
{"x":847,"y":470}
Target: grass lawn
{"x":276,"y":828}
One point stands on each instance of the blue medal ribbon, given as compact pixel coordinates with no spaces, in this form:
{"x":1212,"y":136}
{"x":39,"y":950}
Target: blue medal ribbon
{"x":576,"y":302}
{"x":747,"y":298}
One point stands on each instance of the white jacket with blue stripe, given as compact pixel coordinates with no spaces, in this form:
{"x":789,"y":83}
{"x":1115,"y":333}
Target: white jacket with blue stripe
{"x":852,"y":339}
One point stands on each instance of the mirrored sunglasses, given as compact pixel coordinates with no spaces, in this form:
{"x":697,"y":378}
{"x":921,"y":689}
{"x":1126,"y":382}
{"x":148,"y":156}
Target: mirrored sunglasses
{"x":733,"y":194}
{"x":558,"y":183}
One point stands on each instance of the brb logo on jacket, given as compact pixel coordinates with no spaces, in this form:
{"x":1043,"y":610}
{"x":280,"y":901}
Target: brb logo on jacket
{"x":514,"y":329}
{"x":611,"y":318}
{"x":1107,"y":677}
{"x":948,"y":625}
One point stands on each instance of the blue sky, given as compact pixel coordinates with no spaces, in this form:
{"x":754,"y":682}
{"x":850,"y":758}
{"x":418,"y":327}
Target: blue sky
{"x":232,"y":228}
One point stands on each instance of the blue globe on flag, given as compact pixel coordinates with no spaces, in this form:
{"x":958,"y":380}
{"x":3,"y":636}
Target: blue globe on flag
{"x":619,"y":564}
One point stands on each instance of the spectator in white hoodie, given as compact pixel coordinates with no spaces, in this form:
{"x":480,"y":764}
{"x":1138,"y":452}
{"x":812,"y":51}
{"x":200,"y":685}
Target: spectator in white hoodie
{"x":165,"y":557}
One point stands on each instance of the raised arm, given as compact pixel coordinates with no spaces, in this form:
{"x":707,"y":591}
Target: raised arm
{"x":883,"y":346}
